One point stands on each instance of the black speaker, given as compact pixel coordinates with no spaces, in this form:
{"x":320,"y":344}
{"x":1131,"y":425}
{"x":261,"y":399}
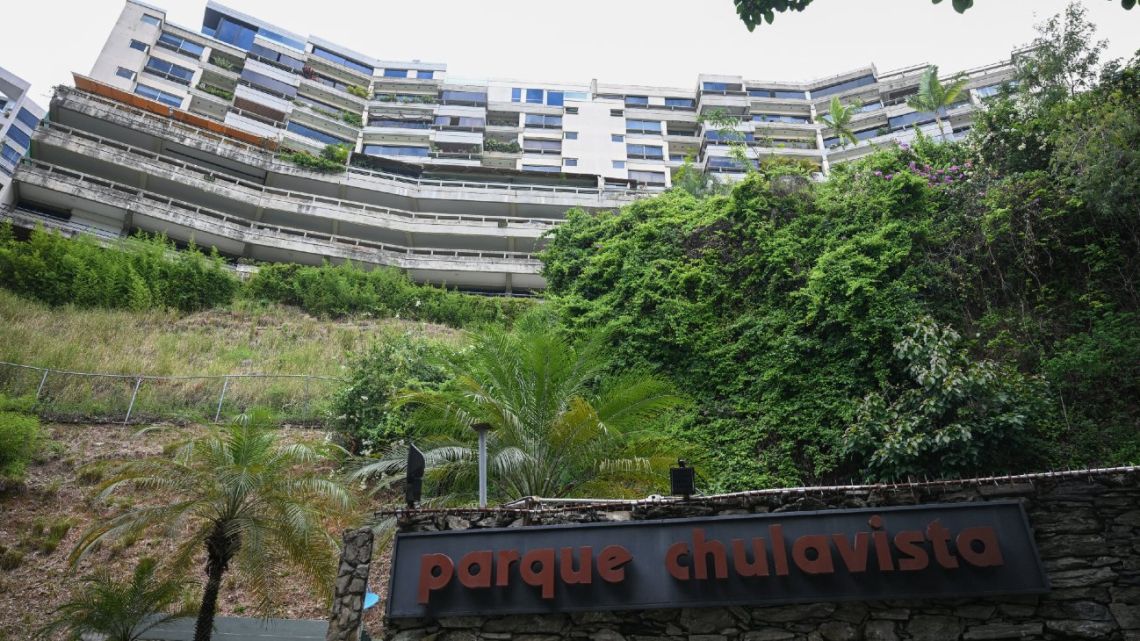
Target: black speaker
{"x":414,"y":486}
{"x":682,"y":480}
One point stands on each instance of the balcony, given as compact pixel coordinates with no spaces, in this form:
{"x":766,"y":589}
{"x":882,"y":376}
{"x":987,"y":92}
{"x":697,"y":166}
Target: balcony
{"x":334,"y":95}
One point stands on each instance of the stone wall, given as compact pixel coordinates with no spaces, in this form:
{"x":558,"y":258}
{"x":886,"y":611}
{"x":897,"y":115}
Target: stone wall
{"x":1087,"y":528}
{"x":351,"y":585}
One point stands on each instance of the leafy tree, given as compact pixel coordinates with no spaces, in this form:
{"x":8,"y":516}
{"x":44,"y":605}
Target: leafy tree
{"x":953,"y":416}
{"x":725,"y":126}
{"x":755,"y":12}
{"x":1064,"y":59}
{"x":934,"y":97}
{"x":559,"y":425}
{"x":839,"y":116}
{"x":116,"y":610}
{"x":244,"y":497}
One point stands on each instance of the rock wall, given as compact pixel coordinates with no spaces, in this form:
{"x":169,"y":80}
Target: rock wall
{"x":1087,"y":528}
{"x":351,"y":585}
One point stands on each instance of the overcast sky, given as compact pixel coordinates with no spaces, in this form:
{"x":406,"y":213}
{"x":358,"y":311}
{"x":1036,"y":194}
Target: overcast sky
{"x":653,"y":42}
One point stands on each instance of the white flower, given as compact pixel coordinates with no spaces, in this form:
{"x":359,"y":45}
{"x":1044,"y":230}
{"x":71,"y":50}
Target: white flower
{"x":1021,"y":147}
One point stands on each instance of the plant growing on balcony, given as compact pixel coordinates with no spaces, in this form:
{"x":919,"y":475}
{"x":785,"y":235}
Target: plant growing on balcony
{"x":216,"y":91}
{"x":334,"y":158}
{"x":224,"y":63}
{"x":839,"y":117}
{"x":512,"y":147}
{"x":352,"y":118}
{"x":357,"y":90}
{"x":933,"y":96}
{"x":307,"y":72}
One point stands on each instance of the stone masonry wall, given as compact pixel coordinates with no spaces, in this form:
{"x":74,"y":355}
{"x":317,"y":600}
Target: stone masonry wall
{"x":1087,"y":529}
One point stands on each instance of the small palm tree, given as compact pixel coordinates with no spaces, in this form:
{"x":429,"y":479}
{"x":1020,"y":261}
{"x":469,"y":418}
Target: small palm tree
{"x":558,"y":425}
{"x":243,"y":496}
{"x":117,"y":610}
{"x":933,"y":96}
{"x":839,"y":116}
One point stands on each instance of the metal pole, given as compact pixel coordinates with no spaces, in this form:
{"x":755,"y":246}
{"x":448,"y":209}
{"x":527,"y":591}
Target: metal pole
{"x":42,"y":381}
{"x":134,"y":395}
{"x":483,"y":468}
{"x":225,"y":384}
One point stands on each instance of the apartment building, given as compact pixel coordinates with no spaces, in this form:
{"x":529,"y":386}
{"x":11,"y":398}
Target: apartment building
{"x":19,"y":117}
{"x":189,"y":132}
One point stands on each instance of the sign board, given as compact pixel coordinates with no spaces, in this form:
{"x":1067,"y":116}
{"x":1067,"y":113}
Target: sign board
{"x":925,"y":551}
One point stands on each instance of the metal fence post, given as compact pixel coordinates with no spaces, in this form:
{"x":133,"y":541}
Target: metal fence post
{"x":43,"y":380}
{"x":221,"y":399}
{"x":134,"y":395}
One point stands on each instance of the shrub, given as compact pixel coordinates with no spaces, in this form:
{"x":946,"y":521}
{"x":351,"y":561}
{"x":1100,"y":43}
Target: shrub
{"x":333,"y":159}
{"x":18,"y":436}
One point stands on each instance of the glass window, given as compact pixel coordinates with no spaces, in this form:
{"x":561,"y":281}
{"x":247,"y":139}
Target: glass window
{"x":395,"y":73}
{"x":795,"y":120}
{"x":914,"y":118}
{"x":341,"y":60}
{"x":473,"y":98}
{"x":309,"y":132}
{"x":571,"y":135}
{"x":123,"y":72}
{"x":619,"y":164}
{"x":149,"y":19}
{"x":11,"y":155}
{"x":140,"y":46}
{"x":648,"y":177}
{"x":643,"y":126}
{"x":729,"y":136}
{"x":236,"y":33}
{"x":570,"y":162}
{"x":644,"y":151}
{"x":27,"y":118}
{"x":159,"y":95}
{"x":276,"y":59}
{"x":554,"y":98}
{"x":639,"y":101}
{"x":534,"y":96}
{"x":424,"y":75}
{"x":718,"y":86}
{"x":986,"y":92}
{"x":267,"y":84}
{"x":678,"y":102}
{"x":516,"y":95}
{"x":571,"y":110}
{"x":617,"y":137}
{"x":180,"y":45}
{"x":285,"y":40}
{"x":843,"y":86}
{"x":616,"y":113}
{"x":543,"y":121}
{"x":169,"y":70}
{"x":676,"y":157}
{"x":397,"y":123}
{"x":575,"y":95}
{"x":549,"y":169}
{"x":535,"y":145}
{"x":776,"y":93}
{"x":725,"y":162}
{"x":396,"y":150}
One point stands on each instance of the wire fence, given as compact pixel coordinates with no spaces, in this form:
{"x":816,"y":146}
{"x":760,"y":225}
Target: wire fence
{"x":68,"y":396}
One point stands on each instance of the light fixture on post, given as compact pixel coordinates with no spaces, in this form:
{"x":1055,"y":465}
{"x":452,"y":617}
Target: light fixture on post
{"x":414,"y":482}
{"x":481,"y":429}
{"x":682,"y":480}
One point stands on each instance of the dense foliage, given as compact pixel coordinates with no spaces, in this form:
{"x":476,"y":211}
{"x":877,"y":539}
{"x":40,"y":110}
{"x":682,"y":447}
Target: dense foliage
{"x":787,"y":312}
{"x":19,"y":433}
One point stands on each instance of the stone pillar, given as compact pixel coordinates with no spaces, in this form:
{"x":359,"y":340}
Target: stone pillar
{"x":351,"y":584}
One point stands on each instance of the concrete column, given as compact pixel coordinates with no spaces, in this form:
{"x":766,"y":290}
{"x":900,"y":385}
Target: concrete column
{"x":351,"y":585}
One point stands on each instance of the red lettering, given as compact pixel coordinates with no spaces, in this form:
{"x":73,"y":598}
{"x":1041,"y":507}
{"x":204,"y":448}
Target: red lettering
{"x":938,"y":537}
{"x":990,"y":556}
{"x":611,"y":563}
{"x":702,"y":550}
{"x":854,"y":558}
{"x":503,"y":567}
{"x":429,"y":579}
{"x":584,"y":573}
{"x":882,"y":544}
{"x":543,"y":577}
{"x":481,"y":560}
{"x":821,"y":564}
{"x":759,"y":564}
{"x":673,"y":561}
{"x":908,"y":542}
{"x":779,"y":552}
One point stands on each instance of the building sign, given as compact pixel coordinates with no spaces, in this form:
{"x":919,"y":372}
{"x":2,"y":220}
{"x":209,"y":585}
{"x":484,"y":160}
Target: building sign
{"x":948,"y":550}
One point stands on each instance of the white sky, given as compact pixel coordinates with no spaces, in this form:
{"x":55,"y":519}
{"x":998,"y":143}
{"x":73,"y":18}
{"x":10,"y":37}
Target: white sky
{"x":651,"y":42}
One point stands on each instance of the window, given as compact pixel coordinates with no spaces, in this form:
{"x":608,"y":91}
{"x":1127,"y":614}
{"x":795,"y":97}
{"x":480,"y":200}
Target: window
{"x":341,"y":60}
{"x":537,"y":146}
{"x":549,"y":169}
{"x":648,"y":177}
{"x":276,"y":59}
{"x":169,"y":71}
{"x":27,"y":118}
{"x":637,"y":101}
{"x":718,"y":87}
{"x":644,"y":151}
{"x":543,"y":121}
{"x":575,"y":95}
{"x":398,"y":124}
{"x":843,"y":86}
{"x":269,"y":85}
{"x":461,"y":122}
{"x":616,"y":113}
{"x":676,"y":157}
{"x":571,"y":110}
{"x":123,"y":72}
{"x":424,"y":75}
{"x":278,"y":38}
{"x":986,"y":92}
{"x":643,"y":126}
{"x":570,"y":162}
{"x":139,"y":46}
{"x":571,"y":135}
{"x":679,"y":102}
{"x":795,"y":120}
{"x":619,"y":164}
{"x":180,"y":45}
{"x":713,"y":135}
{"x":534,"y":96}
{"x":149,"y":19}
{"x":617,"y":137}
{"x":159,"y":95}
{"x":725,"y":162}
{"x":469,"y":98}
{"x":319,"y":136}
{"x":10,"y":154}
{"x":396,"y":150}
{"x":516,"y":95}
{"x":776,"y":93}
{"x":555,"y":98}
{"x":395,"y":73}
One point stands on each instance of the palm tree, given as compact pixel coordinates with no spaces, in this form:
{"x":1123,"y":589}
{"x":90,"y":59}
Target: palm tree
{"x":838,"y":117}
{"x":933,"y":96}
{"x":117,"y":610}
{"x":243,"y":496}
{"x":558,"y":425}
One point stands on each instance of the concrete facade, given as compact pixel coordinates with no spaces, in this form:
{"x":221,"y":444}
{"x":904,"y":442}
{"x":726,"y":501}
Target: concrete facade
{"x":19,"y":116}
